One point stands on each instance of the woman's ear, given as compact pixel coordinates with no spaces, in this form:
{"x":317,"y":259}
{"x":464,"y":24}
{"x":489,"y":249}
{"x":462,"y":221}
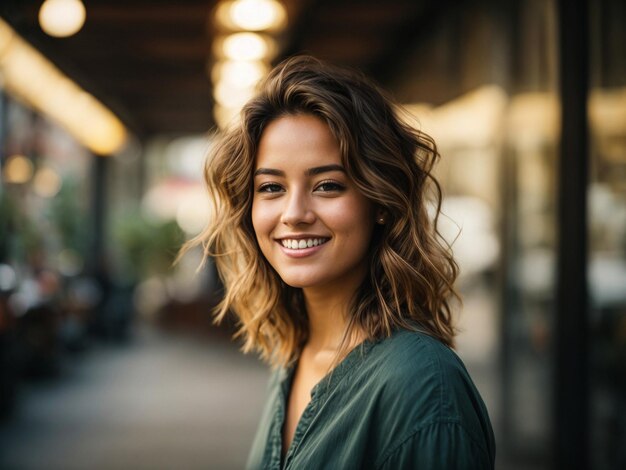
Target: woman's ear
{"x":381,"y":216}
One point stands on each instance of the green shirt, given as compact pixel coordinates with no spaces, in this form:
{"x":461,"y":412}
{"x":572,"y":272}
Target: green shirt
{"x":404,"y":402}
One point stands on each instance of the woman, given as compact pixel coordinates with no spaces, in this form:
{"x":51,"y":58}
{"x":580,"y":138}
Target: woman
{"x":333,"y":265}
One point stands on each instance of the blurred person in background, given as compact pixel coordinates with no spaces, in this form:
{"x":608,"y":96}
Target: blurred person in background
{"x":325,"y":235}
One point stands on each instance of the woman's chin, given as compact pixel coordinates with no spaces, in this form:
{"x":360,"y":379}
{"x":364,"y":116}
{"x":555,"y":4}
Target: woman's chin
{"x":301,"y":281}
{"x":298,"y":283}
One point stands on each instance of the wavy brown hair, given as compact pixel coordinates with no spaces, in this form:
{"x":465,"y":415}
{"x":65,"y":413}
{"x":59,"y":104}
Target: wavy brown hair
{"x":411,"y":269}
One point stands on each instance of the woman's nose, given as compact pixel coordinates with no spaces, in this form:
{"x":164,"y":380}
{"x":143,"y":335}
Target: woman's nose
{"x":297,"y":210}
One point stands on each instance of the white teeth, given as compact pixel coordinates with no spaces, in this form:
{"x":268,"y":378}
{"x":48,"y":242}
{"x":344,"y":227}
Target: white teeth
{"x":300,"y":244}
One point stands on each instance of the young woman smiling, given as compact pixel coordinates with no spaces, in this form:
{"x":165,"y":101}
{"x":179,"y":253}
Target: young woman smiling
{"x":333,"y":264}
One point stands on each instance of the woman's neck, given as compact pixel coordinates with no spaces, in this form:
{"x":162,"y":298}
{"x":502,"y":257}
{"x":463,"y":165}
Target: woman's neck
{"x":327,"y":322}
{"x":328,"y":317}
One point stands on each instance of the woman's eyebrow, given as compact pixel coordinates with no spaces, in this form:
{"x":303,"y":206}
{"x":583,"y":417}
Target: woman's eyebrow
{"x":310,"y":172}
{"x":324,"y":169}
{"x":269,"y":171}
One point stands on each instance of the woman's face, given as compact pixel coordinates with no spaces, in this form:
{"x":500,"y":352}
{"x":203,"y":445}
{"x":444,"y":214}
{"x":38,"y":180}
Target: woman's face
{"x":311,"y":223}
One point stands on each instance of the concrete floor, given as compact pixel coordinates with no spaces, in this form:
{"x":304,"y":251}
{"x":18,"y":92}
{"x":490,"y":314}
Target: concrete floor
{"x":159,"y":402}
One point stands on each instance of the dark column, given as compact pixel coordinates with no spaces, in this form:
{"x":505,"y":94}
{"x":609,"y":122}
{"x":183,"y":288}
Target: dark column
{"x":571,"y":330}
{"x":98,"y":195}
{"x":4,"y":131}
{"x":98,"y":268}
{"x":4,"y":127}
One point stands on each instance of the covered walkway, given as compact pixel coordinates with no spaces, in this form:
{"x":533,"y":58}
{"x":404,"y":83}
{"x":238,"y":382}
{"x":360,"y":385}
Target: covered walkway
{"x":159,"y":402}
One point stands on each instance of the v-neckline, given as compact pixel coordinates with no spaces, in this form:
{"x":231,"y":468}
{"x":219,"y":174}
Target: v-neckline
{"x":319,"y":390}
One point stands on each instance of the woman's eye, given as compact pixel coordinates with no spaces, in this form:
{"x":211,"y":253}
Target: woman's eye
{"x":269,"y":188}
{"x":329,"y":186}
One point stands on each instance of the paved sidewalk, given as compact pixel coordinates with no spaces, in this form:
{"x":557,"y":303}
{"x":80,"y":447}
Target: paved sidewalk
{"x":157,"y":403}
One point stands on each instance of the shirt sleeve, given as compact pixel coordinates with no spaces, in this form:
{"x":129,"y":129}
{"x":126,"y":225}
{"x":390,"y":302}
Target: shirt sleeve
{"x":439,"y":446}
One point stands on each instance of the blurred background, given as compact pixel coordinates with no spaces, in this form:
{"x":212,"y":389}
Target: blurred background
{"x":108,"y":356}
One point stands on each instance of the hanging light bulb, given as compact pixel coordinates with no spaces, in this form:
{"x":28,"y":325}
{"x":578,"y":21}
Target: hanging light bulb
{"x":245,"y":46}
{"x":61,"y":18}
{"x":252,"y":15}
{"x":240,"y":73}
{"x":257,"y":15}
{"x":31,"y":77}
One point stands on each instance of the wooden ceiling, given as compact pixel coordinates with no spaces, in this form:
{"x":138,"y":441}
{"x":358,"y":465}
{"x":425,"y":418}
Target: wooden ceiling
{"x":147,"y":59}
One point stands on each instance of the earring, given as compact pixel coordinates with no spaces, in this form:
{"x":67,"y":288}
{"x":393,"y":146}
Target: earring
{"x":381,"y":220}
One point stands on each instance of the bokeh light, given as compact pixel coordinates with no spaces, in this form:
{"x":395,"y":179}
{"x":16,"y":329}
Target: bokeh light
{"x":62,"y":18}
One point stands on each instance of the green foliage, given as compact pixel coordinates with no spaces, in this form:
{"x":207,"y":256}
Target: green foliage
{"x":19,"y":236}
{"x":70,"y":219}
{"x":146,"y":247}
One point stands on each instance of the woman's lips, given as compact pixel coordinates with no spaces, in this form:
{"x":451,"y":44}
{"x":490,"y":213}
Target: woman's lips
{"x":316,"y":244}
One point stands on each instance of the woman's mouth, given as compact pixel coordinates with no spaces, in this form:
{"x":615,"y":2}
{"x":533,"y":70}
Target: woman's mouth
{"x":302,"y":243}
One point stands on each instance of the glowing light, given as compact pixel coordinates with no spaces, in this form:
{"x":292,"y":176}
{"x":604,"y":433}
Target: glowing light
{"x":607,"y":111}
{"x":469,"y":121}
{"x":8,"y":278}
{"x":257,"y":15}
{"x":242,"y":74}
{"x":533,"y":119}
{"x":607,"y":119}
{"x":245,"y":46}
{"x":61,"y":18}
{"x":469,"y":226}
{"x":225,"y":116}
{"x":18,"y":169}
{"x":234,"y":84}
{"x":252,"y":15}
{"x":192,"y":213}
{"x":232,"y":96}
{"x":177,"y":199}
{"x":47,"y":182}
{"x":29,"y":76}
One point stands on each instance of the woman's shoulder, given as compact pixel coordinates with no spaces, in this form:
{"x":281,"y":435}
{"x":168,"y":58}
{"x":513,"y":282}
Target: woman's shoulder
{"x":426,"y":375}
{"x":417,"y":353}
{"x":422,"y":390}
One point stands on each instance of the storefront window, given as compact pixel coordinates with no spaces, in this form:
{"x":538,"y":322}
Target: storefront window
{"x":607,"y":233}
